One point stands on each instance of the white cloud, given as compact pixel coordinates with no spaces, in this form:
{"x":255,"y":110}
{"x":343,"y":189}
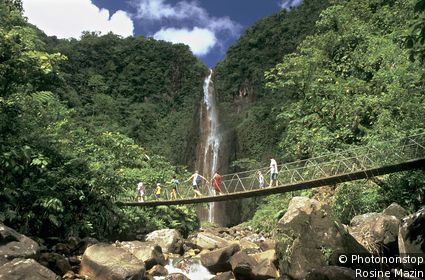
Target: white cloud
{"x":155,"y":10}
{"x":158,"y":9}
{"x":287,"y":4}
{"x":200,"y":40}
{"x":225,"y":24}
{"x":68,"y":18}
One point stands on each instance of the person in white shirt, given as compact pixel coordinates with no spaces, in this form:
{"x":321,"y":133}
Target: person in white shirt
{"x":140,"y":192}
{"x":273,"y":172}
{"x":260,"y":179}
{"x":196,"y":182}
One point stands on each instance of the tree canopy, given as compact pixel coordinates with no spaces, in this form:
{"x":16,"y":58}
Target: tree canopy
{"x":64,"y":156}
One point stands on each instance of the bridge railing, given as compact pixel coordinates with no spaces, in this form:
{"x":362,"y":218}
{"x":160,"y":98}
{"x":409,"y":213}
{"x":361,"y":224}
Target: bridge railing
{"x":342,"y":162}
{"x":338,"y":163}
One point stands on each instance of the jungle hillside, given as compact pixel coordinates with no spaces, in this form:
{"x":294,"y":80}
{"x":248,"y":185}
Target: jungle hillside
{"x":82,"y":121}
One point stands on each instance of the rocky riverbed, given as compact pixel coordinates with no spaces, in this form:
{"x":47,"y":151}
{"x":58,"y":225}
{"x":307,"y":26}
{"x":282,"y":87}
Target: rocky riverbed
{"x":307,"y":244}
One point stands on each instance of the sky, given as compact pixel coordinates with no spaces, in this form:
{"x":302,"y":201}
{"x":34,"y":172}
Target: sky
{"x":208,"y":27}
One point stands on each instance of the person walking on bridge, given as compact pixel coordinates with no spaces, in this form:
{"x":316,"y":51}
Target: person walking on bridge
{"x":174,"y":183}
{"x":273,"y":172}
{"x":260,"y":179}
{"x":158,"y":191}
{"x":216,"y":183}
{"x":140,"y":192}
{"x":196,"y":182}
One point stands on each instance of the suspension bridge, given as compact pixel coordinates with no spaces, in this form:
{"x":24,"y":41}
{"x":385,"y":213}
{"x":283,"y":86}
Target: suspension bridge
{"x":363,"y":162}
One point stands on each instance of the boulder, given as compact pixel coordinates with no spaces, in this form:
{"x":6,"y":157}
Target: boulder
{"x":69,"y":275}
{"x":411,"y":236}
{"x":265,"y":270}
{"x":158,"y":270}
{"x":217,"y":231}
{"x":395,"y":210}
{"x":191,"y":253}
{"x":376,"y":231}
{"x":51,"y":241}
{"x":56,"y":262}
{"x":170,"y":240}
{"x":176,"y":276}
{"x":309,"y":237}
{"x":83,"y":244}
{"x":14,"y":245}
{"x":267,"y":255}
{"x":253,"y":237}
{"x":331,"y":273}
{"x":267,"y":244}
{"x":107,"y":262}
{"x":189,"y":245}
{"x":72,"y":243}
{"x":242,"y":264}
{"x":25,"y":269}
{"x":62,"y":248}
{"x":206,"y":240}
{"x":219,"y":259}
{"x":74,"y":260}
{"x":228,"y":275}
{"x":246,"y":244}
{"x":149,"y":252}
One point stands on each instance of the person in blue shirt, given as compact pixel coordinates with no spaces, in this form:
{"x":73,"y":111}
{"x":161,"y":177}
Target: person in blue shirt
{"x":174,"y":183}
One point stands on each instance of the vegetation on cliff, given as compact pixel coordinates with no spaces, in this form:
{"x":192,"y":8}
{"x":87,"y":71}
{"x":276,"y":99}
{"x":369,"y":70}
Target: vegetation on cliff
{"x":239,"y":79}
{"x":348,"y":83}
{"x":82,"y":121}
{"x":143,"y":88}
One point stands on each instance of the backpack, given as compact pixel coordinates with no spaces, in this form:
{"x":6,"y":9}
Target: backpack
{"x":198,"y":180}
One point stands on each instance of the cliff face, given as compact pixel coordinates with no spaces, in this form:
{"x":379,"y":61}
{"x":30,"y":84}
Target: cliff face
{"x":241,"y":84}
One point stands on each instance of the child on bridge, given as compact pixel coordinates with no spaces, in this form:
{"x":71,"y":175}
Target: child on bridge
{"x":158,"y":191}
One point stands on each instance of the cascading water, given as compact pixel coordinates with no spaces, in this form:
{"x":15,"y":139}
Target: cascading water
{"x":212,"y":139}
{"x":191,"y":268}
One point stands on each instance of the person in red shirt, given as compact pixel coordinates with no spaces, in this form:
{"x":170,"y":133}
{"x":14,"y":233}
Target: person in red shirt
{"x":216,"y":183}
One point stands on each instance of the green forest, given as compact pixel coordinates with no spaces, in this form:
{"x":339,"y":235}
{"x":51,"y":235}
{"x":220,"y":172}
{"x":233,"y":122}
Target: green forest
{"x":83,"y":121}
{"x":350,"y":74}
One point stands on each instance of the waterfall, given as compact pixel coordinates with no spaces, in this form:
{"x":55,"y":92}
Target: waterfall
{"x":212,"y":139}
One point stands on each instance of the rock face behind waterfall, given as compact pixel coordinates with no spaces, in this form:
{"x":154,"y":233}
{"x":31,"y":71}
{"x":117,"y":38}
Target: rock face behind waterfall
{"x":309,"y":237}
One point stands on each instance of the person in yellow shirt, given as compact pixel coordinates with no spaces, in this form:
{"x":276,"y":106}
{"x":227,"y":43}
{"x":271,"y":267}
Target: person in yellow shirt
{"x":158,"y":191}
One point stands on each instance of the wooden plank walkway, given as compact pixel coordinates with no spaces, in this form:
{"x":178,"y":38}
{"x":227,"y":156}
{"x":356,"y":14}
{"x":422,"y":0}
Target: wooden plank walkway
{"x":308,"y":184}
